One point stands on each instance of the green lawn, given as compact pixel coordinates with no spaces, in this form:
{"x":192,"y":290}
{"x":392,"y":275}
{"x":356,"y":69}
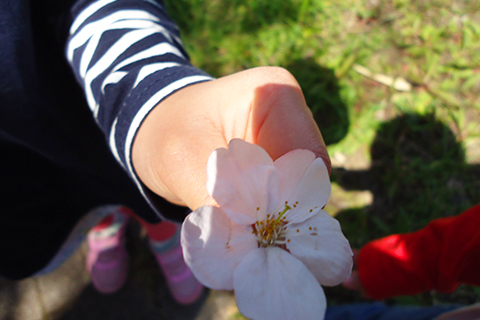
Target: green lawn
{"x":394,"y":87}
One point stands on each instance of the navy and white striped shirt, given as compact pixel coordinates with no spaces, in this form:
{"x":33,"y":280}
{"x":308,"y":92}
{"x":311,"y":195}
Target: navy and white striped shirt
{"x":128,"y":56}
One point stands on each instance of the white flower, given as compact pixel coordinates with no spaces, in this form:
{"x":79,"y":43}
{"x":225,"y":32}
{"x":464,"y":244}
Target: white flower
{"x":269,"y":241}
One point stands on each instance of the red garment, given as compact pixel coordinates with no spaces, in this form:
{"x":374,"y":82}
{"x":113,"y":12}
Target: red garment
{"x":161,"y":231}
{"x":440,"y":256}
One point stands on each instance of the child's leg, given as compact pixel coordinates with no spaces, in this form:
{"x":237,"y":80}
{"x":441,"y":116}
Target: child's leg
{"x":165,"y":244}
{"x":107,"y":258}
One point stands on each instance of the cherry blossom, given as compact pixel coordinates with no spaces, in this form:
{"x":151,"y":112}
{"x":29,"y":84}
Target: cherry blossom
{"x":269,"y":239}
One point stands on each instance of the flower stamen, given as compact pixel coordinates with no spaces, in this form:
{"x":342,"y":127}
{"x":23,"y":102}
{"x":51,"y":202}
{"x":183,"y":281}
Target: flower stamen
{"x":271,"y":231}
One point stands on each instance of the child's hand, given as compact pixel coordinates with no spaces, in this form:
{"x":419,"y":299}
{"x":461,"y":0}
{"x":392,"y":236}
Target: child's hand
{"x":353,"y":282}
{"x":263,"y":106}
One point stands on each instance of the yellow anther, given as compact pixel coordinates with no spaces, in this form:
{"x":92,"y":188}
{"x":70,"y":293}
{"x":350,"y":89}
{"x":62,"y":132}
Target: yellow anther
{"x":270,"y":232}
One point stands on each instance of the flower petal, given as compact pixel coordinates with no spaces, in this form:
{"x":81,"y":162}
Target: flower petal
{"x":243,"y":181}
{"x":291,"y":168}
{"x":311,"y":193}
{"x":213,"y":246}
{"x":320,"y":244}
{"x":271,"y":284}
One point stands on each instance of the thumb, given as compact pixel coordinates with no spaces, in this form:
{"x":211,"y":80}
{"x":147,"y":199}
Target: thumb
{"x":280,"y":120}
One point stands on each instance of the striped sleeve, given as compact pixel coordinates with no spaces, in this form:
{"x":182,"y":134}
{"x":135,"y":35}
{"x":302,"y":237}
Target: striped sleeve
{"x":127,"y":55}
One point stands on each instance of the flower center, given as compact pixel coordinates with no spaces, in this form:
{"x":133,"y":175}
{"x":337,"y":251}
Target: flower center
{"x":271,"y":231}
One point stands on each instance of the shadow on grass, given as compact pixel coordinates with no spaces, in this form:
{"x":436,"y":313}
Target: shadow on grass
{"x":322,"y":93}
{"x":10,"y":299}
{"x":418,"y":174}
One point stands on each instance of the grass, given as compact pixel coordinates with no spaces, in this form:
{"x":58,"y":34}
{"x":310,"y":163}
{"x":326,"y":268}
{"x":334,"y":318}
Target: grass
{"x":401,"y":157}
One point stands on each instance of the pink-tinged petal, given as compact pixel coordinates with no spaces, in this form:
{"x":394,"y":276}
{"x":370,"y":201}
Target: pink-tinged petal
{"x":250,"y":154}
{"x":291,"y":168}
{"x":272,"y":284}
{"x":311,"y":193}
{"x":320,"y":244}
{"x":243,"y":181}
{"x":213,"y":246}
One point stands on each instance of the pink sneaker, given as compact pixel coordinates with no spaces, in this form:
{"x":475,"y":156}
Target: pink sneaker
{"x":107,"y":258}
{"x":183,"y":285}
